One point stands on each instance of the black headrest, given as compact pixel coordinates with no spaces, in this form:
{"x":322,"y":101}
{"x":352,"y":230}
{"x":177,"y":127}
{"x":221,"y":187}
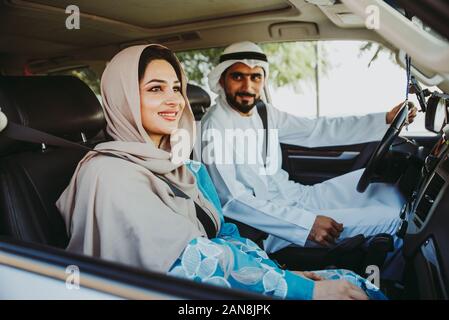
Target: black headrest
{"x":64,"y":106}
{"x":61,"y":105}
{"x":199,"y":100}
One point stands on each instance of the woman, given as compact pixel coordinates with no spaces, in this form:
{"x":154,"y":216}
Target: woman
{"x":121,"y":203}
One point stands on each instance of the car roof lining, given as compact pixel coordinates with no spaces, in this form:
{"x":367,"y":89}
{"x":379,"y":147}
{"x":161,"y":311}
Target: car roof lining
{"x":33,"y":30}
{"x":48,"y":37}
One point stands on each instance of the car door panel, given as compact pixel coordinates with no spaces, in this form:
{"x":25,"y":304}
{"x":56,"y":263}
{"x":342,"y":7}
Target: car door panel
{"x":314,"y":165}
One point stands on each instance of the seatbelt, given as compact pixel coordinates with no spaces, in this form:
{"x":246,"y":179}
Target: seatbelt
{"x":22,"y":133}
{"x":204,"y":218}
{"x":262,"y":111}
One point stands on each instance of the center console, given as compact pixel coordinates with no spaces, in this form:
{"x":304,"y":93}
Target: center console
{"x":425,"y":228}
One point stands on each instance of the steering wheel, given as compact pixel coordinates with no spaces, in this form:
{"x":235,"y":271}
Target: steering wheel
{"x":376,"y":158}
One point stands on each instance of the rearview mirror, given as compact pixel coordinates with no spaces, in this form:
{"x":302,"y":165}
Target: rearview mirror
{"x":436,"y":113}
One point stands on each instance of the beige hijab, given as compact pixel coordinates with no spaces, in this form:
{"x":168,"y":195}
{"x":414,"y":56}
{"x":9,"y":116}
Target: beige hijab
{"x":119,"y":210}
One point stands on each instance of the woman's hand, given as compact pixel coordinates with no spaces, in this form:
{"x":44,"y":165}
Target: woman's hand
{"x":309,"y":275}
{"x":337,"y":290}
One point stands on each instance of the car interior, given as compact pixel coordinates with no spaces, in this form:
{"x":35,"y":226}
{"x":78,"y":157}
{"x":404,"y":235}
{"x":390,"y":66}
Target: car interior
{"x":36,"y":45}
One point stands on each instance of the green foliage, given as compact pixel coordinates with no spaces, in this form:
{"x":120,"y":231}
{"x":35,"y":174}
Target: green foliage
{"x":198,"y":63}
{"x":290,"y":63}
{"x":375,"y":49}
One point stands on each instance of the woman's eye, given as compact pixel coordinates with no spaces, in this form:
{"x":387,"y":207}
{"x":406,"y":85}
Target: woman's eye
{"x":155,"y":89}
{"x":177,"y":89}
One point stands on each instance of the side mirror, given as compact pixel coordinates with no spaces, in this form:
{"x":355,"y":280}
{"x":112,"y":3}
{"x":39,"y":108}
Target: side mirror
{"x":436,"y":113}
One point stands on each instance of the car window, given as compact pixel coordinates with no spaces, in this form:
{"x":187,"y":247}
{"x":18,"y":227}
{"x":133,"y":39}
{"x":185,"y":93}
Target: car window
{"x":351,"y":78}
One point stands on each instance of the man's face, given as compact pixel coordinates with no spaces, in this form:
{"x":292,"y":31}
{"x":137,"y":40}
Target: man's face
{"x":243,"y":86}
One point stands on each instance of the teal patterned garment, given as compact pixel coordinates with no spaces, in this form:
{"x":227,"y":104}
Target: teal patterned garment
{"x":235,"y":262}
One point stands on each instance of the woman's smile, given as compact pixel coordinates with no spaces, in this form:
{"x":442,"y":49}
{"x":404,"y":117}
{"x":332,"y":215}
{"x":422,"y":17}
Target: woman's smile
{"x":169,"y":115}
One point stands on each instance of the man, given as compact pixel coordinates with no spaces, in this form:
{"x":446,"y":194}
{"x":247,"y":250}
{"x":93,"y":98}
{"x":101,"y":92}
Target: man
{"x":258,"y":193}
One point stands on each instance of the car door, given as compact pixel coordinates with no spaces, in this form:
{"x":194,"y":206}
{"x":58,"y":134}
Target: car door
{"x":314,"y":165}
{"x":35,"y":271}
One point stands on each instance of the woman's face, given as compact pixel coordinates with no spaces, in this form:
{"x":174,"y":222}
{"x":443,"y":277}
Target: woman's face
{"x":161,"y":101}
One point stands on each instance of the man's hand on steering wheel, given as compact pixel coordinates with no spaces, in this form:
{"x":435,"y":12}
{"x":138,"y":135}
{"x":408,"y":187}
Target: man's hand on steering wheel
{"x":402,"y":115}
{"x":412,"y":111}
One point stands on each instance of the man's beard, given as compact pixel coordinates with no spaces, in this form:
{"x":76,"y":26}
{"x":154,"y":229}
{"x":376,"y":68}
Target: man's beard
{"x":242,"y":107}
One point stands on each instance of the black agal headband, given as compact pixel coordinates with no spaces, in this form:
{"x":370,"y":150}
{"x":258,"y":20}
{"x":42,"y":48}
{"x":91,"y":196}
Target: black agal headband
{"x":243,"y":55}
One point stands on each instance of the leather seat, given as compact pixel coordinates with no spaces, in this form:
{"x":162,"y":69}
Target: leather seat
{"x":32,"y":177}
{"x":199,"y":100}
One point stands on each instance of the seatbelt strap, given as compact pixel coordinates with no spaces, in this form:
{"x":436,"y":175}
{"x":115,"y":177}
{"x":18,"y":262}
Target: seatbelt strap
{"x":262,"y":111}
{"x":204,"y":218}
{"x":22,"y":133}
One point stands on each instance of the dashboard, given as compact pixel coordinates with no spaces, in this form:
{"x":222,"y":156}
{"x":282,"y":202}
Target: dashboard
{"x":425,"y":229}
